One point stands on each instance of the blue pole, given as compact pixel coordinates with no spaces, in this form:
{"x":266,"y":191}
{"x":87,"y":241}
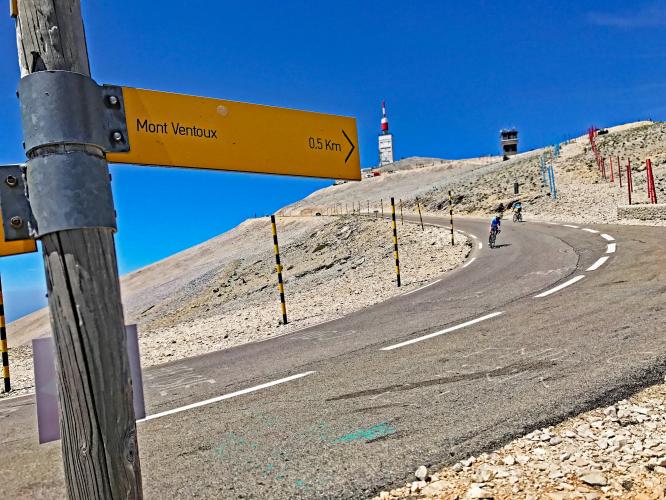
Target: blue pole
{"x":543,"y":170}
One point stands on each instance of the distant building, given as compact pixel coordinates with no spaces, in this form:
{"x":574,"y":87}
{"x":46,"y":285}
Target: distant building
{"x":385,"y":140}
{"x":509,"y":142}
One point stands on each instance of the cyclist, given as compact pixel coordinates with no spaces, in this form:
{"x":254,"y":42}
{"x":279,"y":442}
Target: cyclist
{"x":518,"y":210}
{"x":494,"y":228}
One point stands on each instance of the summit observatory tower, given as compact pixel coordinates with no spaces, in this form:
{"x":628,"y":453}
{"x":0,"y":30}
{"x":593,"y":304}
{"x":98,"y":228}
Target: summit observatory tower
{"x":385,"y":140}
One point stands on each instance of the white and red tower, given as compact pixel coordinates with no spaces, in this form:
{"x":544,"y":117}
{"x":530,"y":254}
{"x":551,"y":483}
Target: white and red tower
{"x":385,"y":140}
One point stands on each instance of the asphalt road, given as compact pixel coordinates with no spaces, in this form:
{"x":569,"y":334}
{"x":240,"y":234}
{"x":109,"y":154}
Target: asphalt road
{"x":370,"y":399}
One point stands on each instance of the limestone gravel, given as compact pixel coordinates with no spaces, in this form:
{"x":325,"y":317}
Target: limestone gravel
{"x":631,"y":464}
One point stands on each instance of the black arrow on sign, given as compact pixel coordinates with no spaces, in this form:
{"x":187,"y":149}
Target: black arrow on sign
{"x":351,"y":144}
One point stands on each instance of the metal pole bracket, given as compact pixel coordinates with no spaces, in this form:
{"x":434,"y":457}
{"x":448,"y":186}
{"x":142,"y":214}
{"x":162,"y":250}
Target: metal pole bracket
{"x":61,"y":107}
{"x":14,"y":205}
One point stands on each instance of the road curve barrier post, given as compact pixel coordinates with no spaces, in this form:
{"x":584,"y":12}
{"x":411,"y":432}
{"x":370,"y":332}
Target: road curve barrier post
{"x":652,"y":191}
{"x":395,"y":242}
{"x":629,"y":181}
{"x":612,"y":176}
{"x":3,"y":344}
{"x":619,"y":171}
{"x":381,"y":204}
{"x":418,"y":207}
{"x":453,"y":241}
{"x":278,"y":270}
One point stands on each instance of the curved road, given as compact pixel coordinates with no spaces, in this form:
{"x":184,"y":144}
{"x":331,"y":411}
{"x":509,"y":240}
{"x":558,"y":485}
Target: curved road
{"x":557,"y":320}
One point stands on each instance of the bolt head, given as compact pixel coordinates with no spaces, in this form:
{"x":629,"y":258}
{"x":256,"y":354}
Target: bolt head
{"x":11,"y":181}
{"x":113,"y":100}
{"x":16,"y":222}
{"x":117,"y":136}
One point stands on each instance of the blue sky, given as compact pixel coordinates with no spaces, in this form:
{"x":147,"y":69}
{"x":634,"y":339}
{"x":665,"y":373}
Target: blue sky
{"x":452,"y":73}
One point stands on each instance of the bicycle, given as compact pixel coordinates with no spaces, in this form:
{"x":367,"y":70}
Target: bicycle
{"x":517,"y":216}
{"x":493,"y":237}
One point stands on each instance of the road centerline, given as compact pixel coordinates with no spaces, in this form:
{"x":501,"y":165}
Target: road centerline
{"x":598,"y":263}
{"x":607,"y":237}
{"x":560,"y":286}
{"x":611,"y":248}
{"x":442,"y":332}
{"x":226,"y":396}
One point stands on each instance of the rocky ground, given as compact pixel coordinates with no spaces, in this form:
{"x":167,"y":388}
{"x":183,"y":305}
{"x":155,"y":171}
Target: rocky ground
{"x":480,"y":185}
{"x":613,"y":452}
{"x":223,"y":292}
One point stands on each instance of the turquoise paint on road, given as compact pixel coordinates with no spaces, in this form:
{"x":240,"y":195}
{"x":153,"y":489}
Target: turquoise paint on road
{"x":370,"y":434}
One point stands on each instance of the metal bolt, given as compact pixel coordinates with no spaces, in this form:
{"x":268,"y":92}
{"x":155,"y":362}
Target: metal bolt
{"x":117,"y":136}
{"x":11,"y":181}
{"x":16,"y":222}
{"x":113,"y":100}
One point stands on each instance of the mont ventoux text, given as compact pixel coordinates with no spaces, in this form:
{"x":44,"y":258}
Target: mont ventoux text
{"x":176,"y":128}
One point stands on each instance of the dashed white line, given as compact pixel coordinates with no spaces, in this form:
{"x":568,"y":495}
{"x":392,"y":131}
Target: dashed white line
{"x":560,"y":286}
{"x":597,"y":264}
{"x":227,"y":396}
{"x":425,"y":286}
{"x":469,"y":261}
{"x":480,"y":245}
{"x":442,"y":332}
{"x":572,"y":226}
{"x":474,"y":236}
{"x":611,"y":248}
{"x":607,"y":237}
{"x":590,"y":230}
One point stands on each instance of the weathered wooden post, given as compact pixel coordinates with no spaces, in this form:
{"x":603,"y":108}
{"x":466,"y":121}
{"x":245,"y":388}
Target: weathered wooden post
{"x":65,"y":175}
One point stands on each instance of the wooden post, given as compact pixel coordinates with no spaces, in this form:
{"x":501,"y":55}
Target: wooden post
{"x":97,"y":425}
{"x":418,"y":207}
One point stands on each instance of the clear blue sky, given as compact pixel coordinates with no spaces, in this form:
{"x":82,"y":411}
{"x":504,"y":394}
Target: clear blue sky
{"x":452,"y":73}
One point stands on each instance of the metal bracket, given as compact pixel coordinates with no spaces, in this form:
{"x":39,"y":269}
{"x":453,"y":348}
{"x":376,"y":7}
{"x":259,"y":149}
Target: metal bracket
{"x":14,"y":205}
{"x":61,"y":107}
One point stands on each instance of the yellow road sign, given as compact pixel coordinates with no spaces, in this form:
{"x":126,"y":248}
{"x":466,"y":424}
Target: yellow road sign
{"x":15,"y":247}
{"x":199,"y":132}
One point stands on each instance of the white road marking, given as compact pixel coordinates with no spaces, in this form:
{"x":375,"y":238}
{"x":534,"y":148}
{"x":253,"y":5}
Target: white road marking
{"x":560,"y":286}
{"x":442,"y":332}
{"x":597,"y":264}
{"x":480,"y":245}
{"x":611,"y":248}
{"x":569,"y":225}
{"x":474,"y":236}
{"x":425,"y":286}
{"x":227,"y":396}
{"x":469,"y":261}
{"x":607,"y":237}
{"x":590,"y":230}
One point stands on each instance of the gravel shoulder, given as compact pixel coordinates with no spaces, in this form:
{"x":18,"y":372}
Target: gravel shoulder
{"x":613,"y":452}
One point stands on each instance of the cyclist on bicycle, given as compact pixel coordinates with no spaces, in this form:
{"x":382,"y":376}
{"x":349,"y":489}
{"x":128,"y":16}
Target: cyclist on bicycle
{"x":495,"y":224}
{"x":517,"y":211}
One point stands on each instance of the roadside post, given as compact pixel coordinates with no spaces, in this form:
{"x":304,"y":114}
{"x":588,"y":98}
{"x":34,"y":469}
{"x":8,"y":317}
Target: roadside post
{"x":418,"y":207}
{"x":395,"y":242}
{"x":402,"y":221}
{"x":368,"y":207}
{"x":381,"y":204}
{"x":612,"y":175}
{"x":619,"y":171}
{"x":629,"y":181}
{"x":3,"y":344}
{"x":451,"y":217}
{"x":278,"y":270}
{"x":74,"y":217}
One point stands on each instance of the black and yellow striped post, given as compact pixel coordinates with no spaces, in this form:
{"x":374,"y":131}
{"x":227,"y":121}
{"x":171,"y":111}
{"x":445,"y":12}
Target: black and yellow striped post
{"x":453,"y":242}
{"x":418,"y":207}
{"x":381,"y":203}
{"x":395,"y":242}
{"x":3,"y":344}
{"x":368,"y":207}
{"x":278,"y":269}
